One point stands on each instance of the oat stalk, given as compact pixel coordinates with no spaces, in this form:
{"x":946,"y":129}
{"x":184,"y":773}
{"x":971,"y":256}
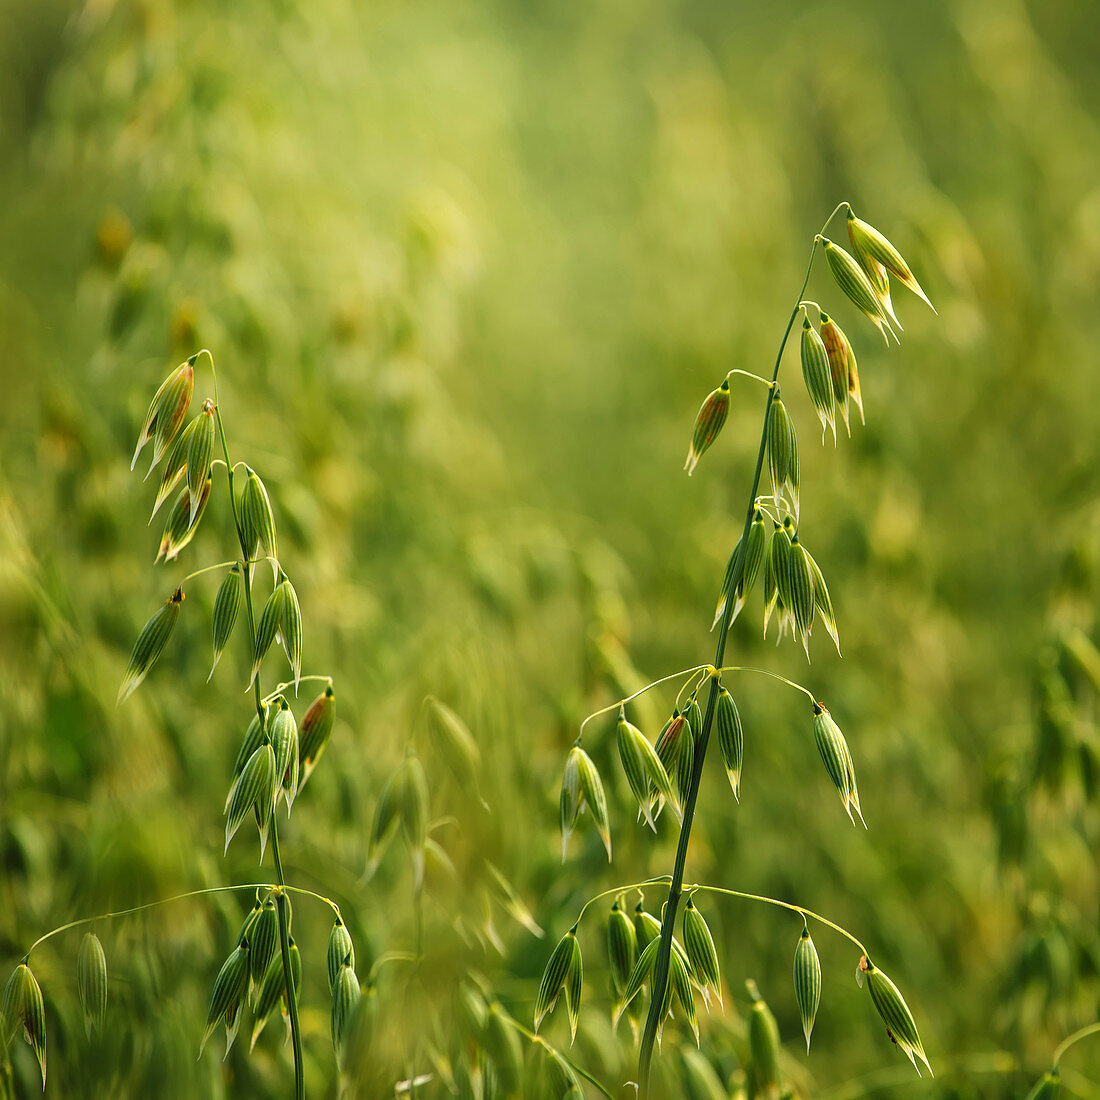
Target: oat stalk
{"x":1076,"y":1037}
{"x":280,"y":895}
{"x":675,"y":890}
{"x":539,"y":1041}
{"x":81,"y":921}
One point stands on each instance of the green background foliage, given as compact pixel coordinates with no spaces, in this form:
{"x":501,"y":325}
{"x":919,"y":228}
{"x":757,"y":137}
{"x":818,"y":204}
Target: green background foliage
{"x":467,"y":270}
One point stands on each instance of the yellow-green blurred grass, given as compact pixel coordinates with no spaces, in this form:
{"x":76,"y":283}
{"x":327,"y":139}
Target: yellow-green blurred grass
{"x":467,"y":271}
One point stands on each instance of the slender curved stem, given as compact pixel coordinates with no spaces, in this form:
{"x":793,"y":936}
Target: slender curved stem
{"x":221,"y":462}
{"x":206,"y":569}
{"x":668,"y":919}
{"x":764,"y":504}
{"x":1077,"y":1036}
{"x":748,"y":374}
{"x":177,"y":897}
{"x":280,"y":898}
{"x":620,"y":890}
{"x":226,"y":565}
{"x":229,"y":564}
{"x":773,"y":675}
{"x":539,"y":1041}
{"x":280,"y":688}
{"x":802,"y":911}
{"x":313,"y":894}
{"x":640,"y":691}
{"x":392,"y":956}
{"x":689,"y":682}
{"x":142,"y":908}
{"x":284,"y":948}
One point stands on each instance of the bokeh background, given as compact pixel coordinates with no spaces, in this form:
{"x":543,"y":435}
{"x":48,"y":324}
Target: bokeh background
{"x":467,"y":270}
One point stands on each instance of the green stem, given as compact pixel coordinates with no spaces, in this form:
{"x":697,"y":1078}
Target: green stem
{"x":179,"y":897}
{"x":691,"y":683}
{"x":141,"y":908}
{"x":284,"y":947}
{"x":539,"y":1041}
{"x":389,"y":957}
{"x":280,"y":688}
{"x":773,"y":675}
{"x":313,"y":894}
{"x":619,"y":890}
{"x":227,"y":565}
{"x":765,"y":503}
{"x":668,"y":917}
{"x":206,"y":569}
{"x":800,"y":910}
{"x":1065,"y":1044}
{"x":640,"y":691}
{"x":280,"y":898}
{"x":748,"y":374}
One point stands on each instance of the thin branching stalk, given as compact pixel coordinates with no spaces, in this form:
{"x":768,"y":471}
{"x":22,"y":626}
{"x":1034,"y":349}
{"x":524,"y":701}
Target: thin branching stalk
{"x":286,"y":684}
{"x":657,"y":881}
{"x":537,"y":1040}
{"x":790,"y":906}
{"x":270,"y":886}
{"x":668,"y":917}
{"x":771,"y":675}
{"x":280,"y":896}
{"x":1076,"y":1037}
{"x":801,"y":910}
{"x":162,"y":425}
{"x":688,"y":672}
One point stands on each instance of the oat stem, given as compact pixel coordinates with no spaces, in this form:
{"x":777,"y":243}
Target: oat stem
{"x":221,"y":462}
{"x":313,"y":894}
{"x":280,"y":897}
{"x":1065,"y":1044}
{"x":206,"y":569}
{"x":280,"y":688}
{"x":688,"y":683}
{"x":800,"y":910}
{"x":225,"y":565}
{"x":619,"y":890}
{"x":141,"y":908}
{"x":641,"y":691}
{"x":539,"y":1041}
{"x":764,"y":504}
{"x":179,"y":897}
{"x":773,"y":675}
{"x":748,"y":374}
{"x":661,"y":966}
{"x":392,"y":956}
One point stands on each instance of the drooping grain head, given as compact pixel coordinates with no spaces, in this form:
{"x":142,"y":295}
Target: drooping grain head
{"x":708,"y":423}
{"x":807,"y":982}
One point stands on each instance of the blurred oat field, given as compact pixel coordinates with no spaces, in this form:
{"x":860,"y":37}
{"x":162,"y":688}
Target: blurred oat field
{"x":467,"y":270}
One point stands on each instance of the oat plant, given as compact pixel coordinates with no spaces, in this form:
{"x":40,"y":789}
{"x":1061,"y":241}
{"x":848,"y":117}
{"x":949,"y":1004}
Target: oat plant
{"x":653,"y":971}
{"x":1049,"y":1085}
{"x":276,"y":757}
